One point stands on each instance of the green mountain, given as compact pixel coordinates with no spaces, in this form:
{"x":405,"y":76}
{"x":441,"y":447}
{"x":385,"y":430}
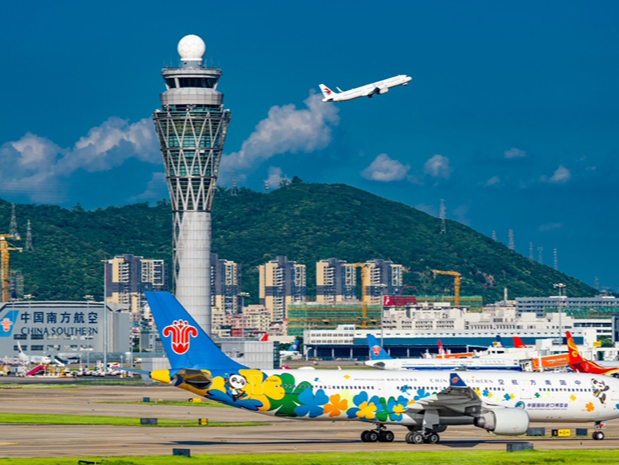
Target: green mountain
{"x":306,"y":222}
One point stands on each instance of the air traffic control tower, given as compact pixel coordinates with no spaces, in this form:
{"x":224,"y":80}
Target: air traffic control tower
{"x":192,"y":126}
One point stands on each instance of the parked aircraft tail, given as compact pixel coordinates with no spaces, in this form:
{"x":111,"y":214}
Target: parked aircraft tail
{"x":185,"y":342}
{"x":518,"y":344}
{"x":376,"y":350}
{"x":264,"y":338}
{"x":326,"y":91}
{"x":575,"y":357}
{"x":295,"y":346}
{"x":441,"y":349}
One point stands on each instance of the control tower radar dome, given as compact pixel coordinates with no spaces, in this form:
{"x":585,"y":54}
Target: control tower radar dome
{"x":191,"y":48}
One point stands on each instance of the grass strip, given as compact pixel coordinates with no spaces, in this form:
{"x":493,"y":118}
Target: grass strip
{"x":47,"y":419}
{"x":416,"y":457}
{"x":174,"y":403}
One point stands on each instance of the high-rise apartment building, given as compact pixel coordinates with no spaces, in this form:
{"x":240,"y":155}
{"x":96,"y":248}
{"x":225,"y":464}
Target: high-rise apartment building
{"x":381,"y":277}
{"x":225,"y":285}
{"x":336,"y":281}
{"x":281,"y":283}
{"x":128,"y":277}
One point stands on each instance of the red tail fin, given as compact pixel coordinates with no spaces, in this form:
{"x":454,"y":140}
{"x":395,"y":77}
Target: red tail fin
{"x":441,"y":349}
{"x":518,"y":344}
{"x":264,"y":338}
{"x":575,"y":357}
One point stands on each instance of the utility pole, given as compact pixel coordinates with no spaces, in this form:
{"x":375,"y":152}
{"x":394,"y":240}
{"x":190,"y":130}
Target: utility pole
{"x":511,"y":239}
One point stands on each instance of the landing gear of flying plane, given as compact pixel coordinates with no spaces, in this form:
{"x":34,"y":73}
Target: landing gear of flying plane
{"x":420,"y":437}
{"x":598,"y":434}
{"x":380,"y":434}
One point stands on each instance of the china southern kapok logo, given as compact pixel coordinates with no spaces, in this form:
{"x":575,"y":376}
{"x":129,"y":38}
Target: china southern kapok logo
{"x":180,"y":332}
{"x":376,"y":351}
{"x":7,"y":323}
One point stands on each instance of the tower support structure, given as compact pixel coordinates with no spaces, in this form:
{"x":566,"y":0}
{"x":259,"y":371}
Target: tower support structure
{"x":192,"y":126}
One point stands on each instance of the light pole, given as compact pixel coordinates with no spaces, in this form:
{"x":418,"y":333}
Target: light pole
{"x":88,"y":298}
{"x":242,"y":295}
{"x":105,"y":262}
{"x":561,"y":288}
{"x":29,"y":298}
{"x":382,"y":287}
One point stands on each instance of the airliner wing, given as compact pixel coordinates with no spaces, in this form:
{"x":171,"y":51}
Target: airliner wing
{"x":457,"y":397}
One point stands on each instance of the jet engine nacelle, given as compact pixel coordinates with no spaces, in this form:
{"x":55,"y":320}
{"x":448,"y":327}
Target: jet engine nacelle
{"x":507,"y":421}
{"x":383,"y":90}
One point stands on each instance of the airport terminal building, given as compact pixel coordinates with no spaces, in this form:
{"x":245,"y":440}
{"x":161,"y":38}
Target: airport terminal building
{"x":62,"y":328}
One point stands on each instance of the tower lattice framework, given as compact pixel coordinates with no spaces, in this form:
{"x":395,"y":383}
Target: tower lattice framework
{"x":192,"y":127}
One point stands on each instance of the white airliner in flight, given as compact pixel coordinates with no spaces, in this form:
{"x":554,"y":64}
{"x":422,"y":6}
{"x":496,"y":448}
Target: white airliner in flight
{"x":424,"y":402}
{"x":380,"y":87}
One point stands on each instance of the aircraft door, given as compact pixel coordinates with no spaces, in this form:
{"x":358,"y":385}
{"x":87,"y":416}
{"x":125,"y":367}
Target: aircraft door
{"x":525,"y":389}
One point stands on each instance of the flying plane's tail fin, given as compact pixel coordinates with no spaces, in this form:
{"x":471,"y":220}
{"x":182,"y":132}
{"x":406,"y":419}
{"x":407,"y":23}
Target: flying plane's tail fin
{"x":376,"y":350}
{"x":185,"y":342}
{"x":518,"y":344}
{"x":328,"y":93}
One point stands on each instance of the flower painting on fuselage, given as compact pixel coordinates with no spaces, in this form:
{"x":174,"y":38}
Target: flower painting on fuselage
{"x":284,"y":395}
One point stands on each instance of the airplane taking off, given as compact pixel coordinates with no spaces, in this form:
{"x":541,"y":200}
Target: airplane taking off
{"x":425,"y":403}
{"x":581,"y":365}
{"x":379,"y":358}
{"x":369,"y":90}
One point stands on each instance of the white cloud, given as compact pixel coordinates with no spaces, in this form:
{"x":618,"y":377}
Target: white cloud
{"x":561,"y":175}
{"x":493,"y":181}
{"x":438,"y":167}
{"x":275,"y":177}
{"x":385,"y":169}
{"x":286,"y":130}
{"x":155,"y":188}
{"x":37,"y":167}
{"x":515,"y":153}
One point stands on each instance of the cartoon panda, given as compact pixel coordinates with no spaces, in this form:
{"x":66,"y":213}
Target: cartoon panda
{"x":237,"y":383}
{"x":599,"y":389}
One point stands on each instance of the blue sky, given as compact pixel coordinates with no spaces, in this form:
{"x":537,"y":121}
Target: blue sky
{"x":511,"y":117}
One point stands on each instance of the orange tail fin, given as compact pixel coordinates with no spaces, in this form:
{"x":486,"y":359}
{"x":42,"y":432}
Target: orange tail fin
{"x":575,"y":357}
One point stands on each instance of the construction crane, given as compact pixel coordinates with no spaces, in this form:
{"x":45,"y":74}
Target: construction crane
{"x":456,"y":276}
{"x":5,"y":248}
{"x":364,"y":304}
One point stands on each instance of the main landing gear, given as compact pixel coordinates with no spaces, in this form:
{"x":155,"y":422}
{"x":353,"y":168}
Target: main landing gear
{"x":422,"y":437}
{"x":380,"y":434}
{"x":598,"y":434}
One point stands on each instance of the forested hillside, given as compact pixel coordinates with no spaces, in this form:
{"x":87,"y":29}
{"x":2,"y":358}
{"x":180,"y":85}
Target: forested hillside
{"x":306,"y":222}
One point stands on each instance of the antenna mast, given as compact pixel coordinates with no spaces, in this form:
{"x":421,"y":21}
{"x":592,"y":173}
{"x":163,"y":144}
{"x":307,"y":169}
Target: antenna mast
{"x":28,"y":246}
{"x":511,"y":239}
{"x":13,"y":227}
{"x":442,"y":217}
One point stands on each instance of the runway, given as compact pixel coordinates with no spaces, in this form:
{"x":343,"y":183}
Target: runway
{"x":280,"y":436}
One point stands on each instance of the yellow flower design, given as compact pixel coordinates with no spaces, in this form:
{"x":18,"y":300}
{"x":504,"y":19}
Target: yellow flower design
{"x":336,"y":405}
{"x":572,"y":397}
{"x":263,"y":391}
{"x":399,"y":409}
{"x":367,"y":410}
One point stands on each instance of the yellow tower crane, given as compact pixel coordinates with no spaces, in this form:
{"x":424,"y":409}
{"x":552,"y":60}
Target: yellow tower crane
{"x":364,"y":304}
{"x":5,"y":248}
{"x":456,"y":276}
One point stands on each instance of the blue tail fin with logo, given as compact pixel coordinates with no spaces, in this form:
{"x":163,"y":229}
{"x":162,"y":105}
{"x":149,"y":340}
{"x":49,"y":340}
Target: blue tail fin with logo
{"x":295,"y":345}
{"x":185,"y":342}
{"x":376,"y":350}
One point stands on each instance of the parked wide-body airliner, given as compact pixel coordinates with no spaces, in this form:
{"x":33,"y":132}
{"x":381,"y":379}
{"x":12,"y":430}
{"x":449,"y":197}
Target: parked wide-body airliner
{"x":369,"y":90}
{"x":379,"y":358}
{"x":426,"y":403}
